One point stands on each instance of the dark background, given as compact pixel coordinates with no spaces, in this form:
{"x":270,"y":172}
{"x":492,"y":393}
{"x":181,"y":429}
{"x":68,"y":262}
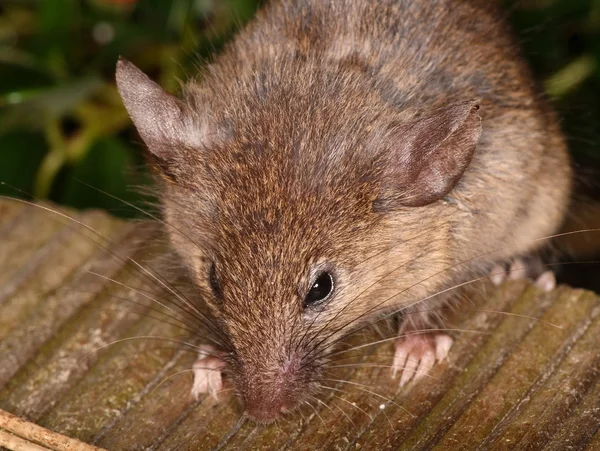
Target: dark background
{"x":61,"y":119}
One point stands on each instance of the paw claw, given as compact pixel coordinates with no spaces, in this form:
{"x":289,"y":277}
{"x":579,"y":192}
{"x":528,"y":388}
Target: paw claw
{"x":207,"y":372}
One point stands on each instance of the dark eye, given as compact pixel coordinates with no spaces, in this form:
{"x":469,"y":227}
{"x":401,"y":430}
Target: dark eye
{"x":214,"y":281}
{"x":320,"y":291}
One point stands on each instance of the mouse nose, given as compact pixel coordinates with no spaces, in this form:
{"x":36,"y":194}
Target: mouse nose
{"x":267,"y":394}
{"x":265,"y":407}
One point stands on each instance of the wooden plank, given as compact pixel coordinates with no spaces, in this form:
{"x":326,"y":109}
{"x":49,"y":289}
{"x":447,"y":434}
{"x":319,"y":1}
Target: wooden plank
{"x":48,"y":270}
{"x":22,"y":245}
{"x":149,"y":422}
{"x":50,"y":314}
{"x":579,"y":427}
{"x":66,"y":357}
{"x":549,"y":403}
{"x":511,"y":381}
{"x":525,"y":370}
{"x":127,"y":371}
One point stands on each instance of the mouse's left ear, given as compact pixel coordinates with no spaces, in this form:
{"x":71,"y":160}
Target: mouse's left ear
{"x":428,"y":156}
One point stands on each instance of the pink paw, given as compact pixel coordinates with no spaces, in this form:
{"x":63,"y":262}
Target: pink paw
{"x":416,"y":354}
{"x":207,"y":372}
{"x":519,"y":269}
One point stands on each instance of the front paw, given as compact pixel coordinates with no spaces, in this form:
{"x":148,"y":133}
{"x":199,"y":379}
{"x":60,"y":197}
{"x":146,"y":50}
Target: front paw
{"x":417,"y":352}
{"x":207,"y":372}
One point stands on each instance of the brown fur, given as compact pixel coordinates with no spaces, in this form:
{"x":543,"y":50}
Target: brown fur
{"x":277,"y":162}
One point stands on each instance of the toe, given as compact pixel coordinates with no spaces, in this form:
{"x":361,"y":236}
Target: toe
{"x":497,"y":275}
{"x":546,"y":281}
{"x":409,"y":369}
{"x":402,"y":350}
{"x":425,"y":365}
{"x":443,"y":343}
{"x":518,"y":270}
{"x":207,"y":372}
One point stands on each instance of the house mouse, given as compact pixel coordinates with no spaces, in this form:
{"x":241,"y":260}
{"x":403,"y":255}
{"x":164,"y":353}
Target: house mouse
{"x":340,"y":161}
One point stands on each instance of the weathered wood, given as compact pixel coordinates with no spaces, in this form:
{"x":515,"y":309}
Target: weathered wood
{"x":18,"y":434}
{"x":523,"y":372}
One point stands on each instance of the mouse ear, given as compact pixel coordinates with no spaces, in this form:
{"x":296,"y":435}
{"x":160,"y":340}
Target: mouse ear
{"x":429,"y":155}
{"x":158,"y":116}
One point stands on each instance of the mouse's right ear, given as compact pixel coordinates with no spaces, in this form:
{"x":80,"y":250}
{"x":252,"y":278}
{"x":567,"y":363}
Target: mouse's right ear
{"x":429,"y":155}
{"x":159,"y":117}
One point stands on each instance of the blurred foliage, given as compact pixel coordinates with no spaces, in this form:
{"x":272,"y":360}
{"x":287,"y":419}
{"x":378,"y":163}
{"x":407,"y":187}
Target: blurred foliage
{"x":61,"y":119}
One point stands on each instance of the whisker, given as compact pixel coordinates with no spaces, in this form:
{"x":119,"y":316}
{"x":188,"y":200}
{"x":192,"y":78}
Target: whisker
{"x":543,"y":321}
{"x":170,"y":377}
{"x":499,"y":312}
{"x":321,"y":402}
{"x":147,"y":296}
{"x":375,"y":365}
{"x":129,"y":259}
{"x":316,"y":412}
{"x":360,"y":294}
{"x":477,"y":279}
{"x":216,"y":395}
{"x":345,"y":414}
{"x":192,"y":329}
{"x":397,"y":311}
{"x":382,"y":410}
{"x":354,"y":299}
{"x":241,"y":420}
{"x":418,"y":332}
{"x":385,"y":301}
{"x":149,"y":337}
{"x":303,"y":417}
{"x":366,"y":390}
{"x":141,"y":210}
{"x":345,"y":400}
{"x":278,"y":427}
{"x":164,"y":321}
{"x":135,"y":290}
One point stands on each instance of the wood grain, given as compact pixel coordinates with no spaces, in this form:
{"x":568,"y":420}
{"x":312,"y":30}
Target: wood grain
{"x":523,"y":372}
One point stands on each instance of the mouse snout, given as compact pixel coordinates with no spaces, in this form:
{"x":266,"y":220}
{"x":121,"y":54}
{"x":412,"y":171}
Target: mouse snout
{"x":265,"y":406}
{"x":268,"y":394}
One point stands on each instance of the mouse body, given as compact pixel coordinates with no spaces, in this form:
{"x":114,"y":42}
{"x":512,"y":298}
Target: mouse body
{"x":340,"y":161}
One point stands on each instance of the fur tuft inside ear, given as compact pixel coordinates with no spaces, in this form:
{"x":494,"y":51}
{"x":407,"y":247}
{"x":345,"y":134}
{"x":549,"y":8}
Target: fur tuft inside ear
{"x":429,"y":155}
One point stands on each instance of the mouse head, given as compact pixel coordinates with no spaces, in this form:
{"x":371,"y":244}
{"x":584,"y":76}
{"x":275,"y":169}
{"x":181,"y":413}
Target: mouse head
{"x":290,"y":206}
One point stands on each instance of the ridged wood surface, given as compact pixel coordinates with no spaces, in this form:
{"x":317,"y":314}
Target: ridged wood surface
{"x":523,"y":372}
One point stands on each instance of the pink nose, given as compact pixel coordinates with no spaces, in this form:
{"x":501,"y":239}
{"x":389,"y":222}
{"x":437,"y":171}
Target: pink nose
{"x":271,"y":390}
